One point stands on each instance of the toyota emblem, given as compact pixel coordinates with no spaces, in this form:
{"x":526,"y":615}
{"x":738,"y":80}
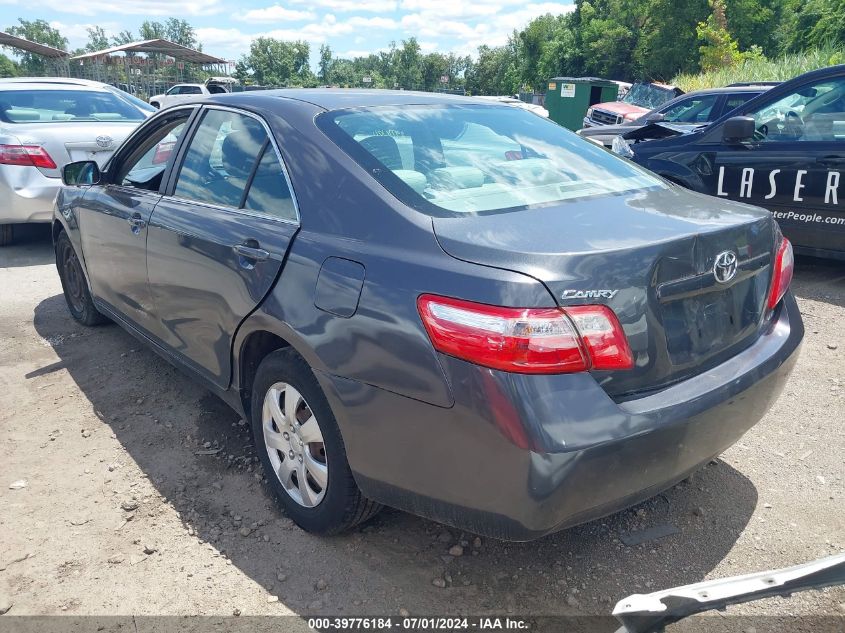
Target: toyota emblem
{"x":725,"y":267}
{"x":104,"y":141}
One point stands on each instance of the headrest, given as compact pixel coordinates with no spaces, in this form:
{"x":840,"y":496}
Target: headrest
{"x":240,"y":150}
{"x":385,"y":149}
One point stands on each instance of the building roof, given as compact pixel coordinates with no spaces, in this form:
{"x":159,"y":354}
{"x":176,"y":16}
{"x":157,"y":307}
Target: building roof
{"x":164,"y":47}
{"x":6,"y":39}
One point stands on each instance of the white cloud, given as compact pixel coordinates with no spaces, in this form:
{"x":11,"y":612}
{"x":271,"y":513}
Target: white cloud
{"x":372,"y":6}
{"x":276,"y":13}
{"x":77,"y":34}
{"x":151,"y":8}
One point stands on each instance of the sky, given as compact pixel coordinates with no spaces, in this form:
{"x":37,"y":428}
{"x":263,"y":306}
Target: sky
{"x":350,"y":27}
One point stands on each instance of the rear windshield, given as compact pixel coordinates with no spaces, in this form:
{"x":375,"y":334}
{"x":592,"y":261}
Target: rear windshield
{"x":65,"y":106}
{"x":448,"y":160}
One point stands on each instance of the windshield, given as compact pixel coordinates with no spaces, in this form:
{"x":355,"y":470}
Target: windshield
{"x":471,"y":159}
{"x":648,"y":96}
{"x":132,"y":99}
{"x":65,"y":106}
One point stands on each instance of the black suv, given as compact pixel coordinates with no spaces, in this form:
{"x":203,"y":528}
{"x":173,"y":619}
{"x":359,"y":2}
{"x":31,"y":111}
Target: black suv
{"x":693,"y":109}
{"x":783,"y":150}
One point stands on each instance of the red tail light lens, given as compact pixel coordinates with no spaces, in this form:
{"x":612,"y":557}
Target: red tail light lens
{"x":526,"y":340}
{"x":783,"y":268}
{"x":26,"y":156}
{"x":163,"y":152}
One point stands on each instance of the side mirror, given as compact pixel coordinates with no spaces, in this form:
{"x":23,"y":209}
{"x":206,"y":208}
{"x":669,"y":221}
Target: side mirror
{"x":654,"y":117}
{"x":81,"y":173}
{"x":738,"y":129}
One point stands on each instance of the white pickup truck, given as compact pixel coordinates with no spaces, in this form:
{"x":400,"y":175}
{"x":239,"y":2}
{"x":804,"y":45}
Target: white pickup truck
{"x":186,"y":92}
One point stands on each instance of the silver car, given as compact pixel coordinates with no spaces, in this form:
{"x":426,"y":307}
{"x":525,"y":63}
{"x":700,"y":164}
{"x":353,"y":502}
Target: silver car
{"x":46,"y":122}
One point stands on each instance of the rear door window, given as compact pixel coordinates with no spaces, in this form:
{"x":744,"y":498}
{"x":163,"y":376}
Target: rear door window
{"x":220,"y":158}
{"x":692,"y":110}
{"x":269,"y":191}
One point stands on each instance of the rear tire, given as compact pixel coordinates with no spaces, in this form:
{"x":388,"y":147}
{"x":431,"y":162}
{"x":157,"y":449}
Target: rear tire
{"x":300,"y":446}
{"x":74,"y":285}
{"x":7,"y":233}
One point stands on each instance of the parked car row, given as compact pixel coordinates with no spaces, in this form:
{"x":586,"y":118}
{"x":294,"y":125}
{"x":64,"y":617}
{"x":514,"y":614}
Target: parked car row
{"x":692,"y":109}
{"x":46,"y":123}
{"x":418,"y":299}
{"x":783,"y":150}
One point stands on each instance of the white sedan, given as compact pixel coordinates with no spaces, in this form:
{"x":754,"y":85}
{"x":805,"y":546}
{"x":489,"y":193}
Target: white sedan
{"x":46,"y":122}
{"x":518,"y":103}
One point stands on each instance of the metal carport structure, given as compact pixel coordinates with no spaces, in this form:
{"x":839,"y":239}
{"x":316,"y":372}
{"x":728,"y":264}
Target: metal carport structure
{"x":56,"y":57}
{"x":148,"y":74}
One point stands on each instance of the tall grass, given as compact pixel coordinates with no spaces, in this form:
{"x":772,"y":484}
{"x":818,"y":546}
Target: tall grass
{"x":780,"y":69}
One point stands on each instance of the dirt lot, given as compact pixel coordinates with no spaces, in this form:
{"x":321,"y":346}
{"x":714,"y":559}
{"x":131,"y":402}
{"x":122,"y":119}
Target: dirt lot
{"x":130,"y":508}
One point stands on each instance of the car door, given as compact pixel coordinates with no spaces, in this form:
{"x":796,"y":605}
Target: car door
{"x":218,"y":238}
{"x":794,"y":166}
{"x":113,"y":218}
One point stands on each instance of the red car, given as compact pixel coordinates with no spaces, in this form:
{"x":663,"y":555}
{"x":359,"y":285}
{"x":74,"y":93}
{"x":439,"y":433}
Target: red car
{"x":641,"y":98}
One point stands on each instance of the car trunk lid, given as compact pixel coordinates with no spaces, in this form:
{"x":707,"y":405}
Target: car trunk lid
{"x":650,"y":256}
{"x":80,"y":140}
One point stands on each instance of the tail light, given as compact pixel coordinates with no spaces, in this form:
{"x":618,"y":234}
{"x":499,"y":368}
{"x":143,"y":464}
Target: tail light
{"x":163,"y":152}
{"x":526,"y":340}
{"x":782,"y":277}
{"x":26,"y":156}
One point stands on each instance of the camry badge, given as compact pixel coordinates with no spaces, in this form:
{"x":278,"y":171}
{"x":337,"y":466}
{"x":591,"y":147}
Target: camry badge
{"x":724,"y":269}
{"x":104,"y":141}
{"x":588,"y":294}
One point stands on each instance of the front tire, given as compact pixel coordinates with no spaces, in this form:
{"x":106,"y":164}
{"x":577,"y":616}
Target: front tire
{"x":74,"y":286}
{"x":7,"y":233}
{"x":301,"y":448}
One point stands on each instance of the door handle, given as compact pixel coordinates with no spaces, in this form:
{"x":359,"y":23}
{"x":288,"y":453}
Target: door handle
{"x":136,"y":222}
{"x":831,"y":161}
{"x":252,"y":253}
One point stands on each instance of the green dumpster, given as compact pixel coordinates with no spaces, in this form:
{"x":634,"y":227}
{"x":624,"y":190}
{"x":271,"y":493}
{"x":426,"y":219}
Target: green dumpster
{"x":568,"y":98}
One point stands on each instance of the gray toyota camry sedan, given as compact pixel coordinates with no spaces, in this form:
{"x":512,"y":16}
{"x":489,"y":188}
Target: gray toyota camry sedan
{"x":458,"y":309}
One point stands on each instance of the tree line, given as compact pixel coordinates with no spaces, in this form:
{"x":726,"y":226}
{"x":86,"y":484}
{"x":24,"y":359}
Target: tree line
{"x":619,"y":39}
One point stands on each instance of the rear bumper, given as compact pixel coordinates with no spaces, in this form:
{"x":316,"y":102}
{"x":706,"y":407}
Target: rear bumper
{"x":520,"y":456}
{"x":27,"y":195}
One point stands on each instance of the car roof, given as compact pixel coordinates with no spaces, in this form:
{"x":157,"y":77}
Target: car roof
{"x":52,"y":83}
{"x":339,"y":98}
{"x":731,"y":89}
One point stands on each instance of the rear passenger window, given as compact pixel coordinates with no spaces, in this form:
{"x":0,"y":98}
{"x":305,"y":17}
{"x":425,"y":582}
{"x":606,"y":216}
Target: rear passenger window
{"x":220,"y":158}
{"x":734,"y":101}
{"x":269,"y":191}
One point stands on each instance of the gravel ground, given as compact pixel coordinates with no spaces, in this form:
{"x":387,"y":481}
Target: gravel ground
{"x":142,"y":494}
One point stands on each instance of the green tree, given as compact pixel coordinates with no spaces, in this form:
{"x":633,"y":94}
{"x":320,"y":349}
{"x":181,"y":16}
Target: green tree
{"x":324,"y":71}
{"x":180,"y":32}
{"x":408,"y":66}
{"x":607,"y":32}
{"x":152,"y":30}
{"x":8,"y":68}
{"x":273,"y":62}
{"x":756,"y":23}
{"x":494,"y":72}
{"x":97,"y":39}
{"x":812,"y":23}
{"x":668,"y":37}
{"x":544,"y":49}
{"x":124,"y":37}
{"x":36,"y":31}
{"x":720,"y":48}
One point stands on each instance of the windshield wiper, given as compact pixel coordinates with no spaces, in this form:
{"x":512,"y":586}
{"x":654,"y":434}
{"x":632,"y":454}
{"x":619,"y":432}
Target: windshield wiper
{"x":647,"y":613}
